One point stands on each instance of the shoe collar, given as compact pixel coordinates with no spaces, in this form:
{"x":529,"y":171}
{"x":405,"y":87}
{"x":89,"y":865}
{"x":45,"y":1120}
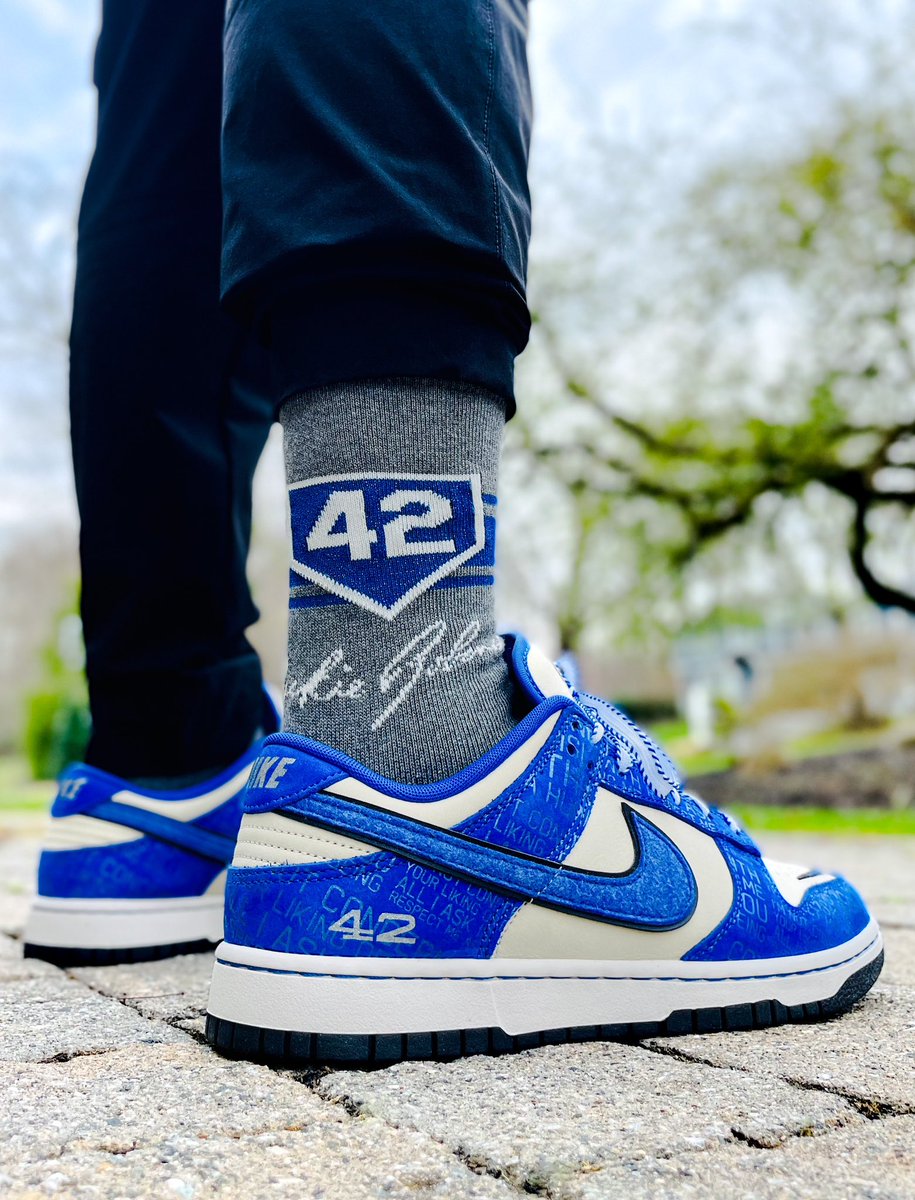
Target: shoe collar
{"x":542,"y":692}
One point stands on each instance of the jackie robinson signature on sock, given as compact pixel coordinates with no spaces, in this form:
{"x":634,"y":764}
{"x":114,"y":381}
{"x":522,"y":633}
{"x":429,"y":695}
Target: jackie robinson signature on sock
{"x":430,"y":655}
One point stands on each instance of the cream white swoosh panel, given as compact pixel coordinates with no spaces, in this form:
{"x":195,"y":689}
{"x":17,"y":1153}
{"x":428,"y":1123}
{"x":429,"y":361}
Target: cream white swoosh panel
{"x":454,"y":809}
{"x":605,"y":843}
{"x":193,"y":807}
{"x":787,"y":878}
{"x":538,"y":932}
{"x":84,"y":833}
{"x":270,"y":839}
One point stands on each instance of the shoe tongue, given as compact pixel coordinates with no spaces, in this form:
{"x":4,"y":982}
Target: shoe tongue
{"x":539,"y":677}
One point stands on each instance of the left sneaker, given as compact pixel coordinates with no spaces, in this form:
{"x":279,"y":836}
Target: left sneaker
{"x":562,"y":888}
{"x":131,"y":874}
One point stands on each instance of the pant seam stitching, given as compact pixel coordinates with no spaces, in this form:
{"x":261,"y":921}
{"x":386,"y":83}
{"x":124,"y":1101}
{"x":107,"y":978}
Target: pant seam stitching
{"x":487,"y":112}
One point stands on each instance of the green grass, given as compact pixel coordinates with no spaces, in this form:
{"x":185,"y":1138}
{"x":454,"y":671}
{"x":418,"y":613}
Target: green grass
{"x":850,"y":821}
{"x":20,"y":794}
{"x":704,"y":762}
{"x":18,"y":791}
{"x":673,"y":736}
{"x":675,"y":730}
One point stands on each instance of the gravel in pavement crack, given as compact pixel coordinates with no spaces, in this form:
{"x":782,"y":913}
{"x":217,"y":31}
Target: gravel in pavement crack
{"x":874,"y":1110}
{"x":65,"y":1056}
{"x":774,"y":1143}
{"x":693,"y":1059}
{"x":527,"y":1185}
{"x":530,"y":1185}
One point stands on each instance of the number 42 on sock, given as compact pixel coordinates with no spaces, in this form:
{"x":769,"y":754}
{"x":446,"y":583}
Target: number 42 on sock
{"x":379,"y":541}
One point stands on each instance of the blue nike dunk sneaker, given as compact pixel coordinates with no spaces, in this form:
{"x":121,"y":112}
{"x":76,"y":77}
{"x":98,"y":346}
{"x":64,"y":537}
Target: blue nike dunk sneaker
{"x":129,"y":874}
{"x":563,"y":888}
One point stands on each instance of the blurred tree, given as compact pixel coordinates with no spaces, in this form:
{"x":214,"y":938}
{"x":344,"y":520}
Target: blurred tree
{"x":57,"y":721}
{"x":35,"y":258}
{"x":755,"y":386}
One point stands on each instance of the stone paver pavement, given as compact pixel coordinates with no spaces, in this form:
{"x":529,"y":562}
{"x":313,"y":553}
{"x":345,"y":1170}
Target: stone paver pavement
{"x":109,"y":1092}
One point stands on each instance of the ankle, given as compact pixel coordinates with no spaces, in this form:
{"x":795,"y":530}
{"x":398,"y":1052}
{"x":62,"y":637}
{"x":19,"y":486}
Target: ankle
{"x":393,"y":654}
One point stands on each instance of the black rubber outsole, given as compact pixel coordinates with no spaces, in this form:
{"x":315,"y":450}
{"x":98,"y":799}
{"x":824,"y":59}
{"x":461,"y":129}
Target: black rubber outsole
{"x":377,"y":1050}
{"x":67,"y":956}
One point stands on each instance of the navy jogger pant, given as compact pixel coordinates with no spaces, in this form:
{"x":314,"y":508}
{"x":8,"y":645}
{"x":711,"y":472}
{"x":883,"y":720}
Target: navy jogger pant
{"x":349,"y":177}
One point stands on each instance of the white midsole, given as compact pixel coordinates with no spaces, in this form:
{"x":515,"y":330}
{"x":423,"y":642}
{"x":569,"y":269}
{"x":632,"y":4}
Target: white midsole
{"x":123,"y":924}
{"x":324,"y":994}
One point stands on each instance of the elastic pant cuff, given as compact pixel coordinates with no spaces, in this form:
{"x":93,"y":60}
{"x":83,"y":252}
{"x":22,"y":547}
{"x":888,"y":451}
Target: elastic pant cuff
{"x":175,"y":723}
{"x":362,"y":331}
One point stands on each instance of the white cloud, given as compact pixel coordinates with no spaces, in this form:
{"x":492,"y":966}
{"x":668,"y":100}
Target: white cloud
{"x":60,"y":18}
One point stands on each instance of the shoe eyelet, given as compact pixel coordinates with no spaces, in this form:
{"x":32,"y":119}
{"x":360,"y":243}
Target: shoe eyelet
{"x":571,"y":747}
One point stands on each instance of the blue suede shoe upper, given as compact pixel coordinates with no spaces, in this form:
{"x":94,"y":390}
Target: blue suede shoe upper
{"x":174,"y":857}
{"x":461,"y":885}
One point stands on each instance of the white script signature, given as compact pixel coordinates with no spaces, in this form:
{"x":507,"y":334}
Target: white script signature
{"x":428,"y":655}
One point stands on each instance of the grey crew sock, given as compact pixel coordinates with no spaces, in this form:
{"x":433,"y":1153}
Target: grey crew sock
{"x":393,"y":652}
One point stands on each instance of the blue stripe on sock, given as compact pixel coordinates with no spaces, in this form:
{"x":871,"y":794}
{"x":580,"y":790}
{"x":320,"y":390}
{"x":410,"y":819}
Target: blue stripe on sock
{"x":325,"y":600}
{"x":457,"y":581}
{"x":485,"y":557}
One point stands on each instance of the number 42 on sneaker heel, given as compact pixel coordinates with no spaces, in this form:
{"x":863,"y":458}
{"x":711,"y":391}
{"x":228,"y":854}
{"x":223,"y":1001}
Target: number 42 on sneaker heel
{"x":564,"y":887}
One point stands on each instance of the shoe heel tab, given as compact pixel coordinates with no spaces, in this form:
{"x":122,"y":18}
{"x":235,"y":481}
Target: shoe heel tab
{"x":283,"y":773}
{"x":79,"y":788}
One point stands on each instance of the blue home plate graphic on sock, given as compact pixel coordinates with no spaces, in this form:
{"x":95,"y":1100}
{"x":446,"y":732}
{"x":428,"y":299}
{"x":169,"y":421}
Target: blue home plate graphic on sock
{"x":379,"y":540}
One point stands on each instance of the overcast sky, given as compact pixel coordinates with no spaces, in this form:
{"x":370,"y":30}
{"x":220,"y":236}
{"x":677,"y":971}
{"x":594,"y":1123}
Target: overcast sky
{"x":592,"y":60}
{"x":635,"y":70}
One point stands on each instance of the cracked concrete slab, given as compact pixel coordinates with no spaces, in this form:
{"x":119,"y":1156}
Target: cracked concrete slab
{"x":136,"y":1107}
{"x":363,"y":1161}
{"x":179,"y":1120}
{"x":51,"y":1016}
{"x":544,"y":1115}
{"x":871,"y":1162}
{"x":13,"y":967}
{"x":174,"y":989}
{"x":120,"y":1099}
{"x":868,"y":1053}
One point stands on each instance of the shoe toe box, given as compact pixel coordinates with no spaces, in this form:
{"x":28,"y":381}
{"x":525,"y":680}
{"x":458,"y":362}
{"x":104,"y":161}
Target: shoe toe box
{"x":781,"y":910}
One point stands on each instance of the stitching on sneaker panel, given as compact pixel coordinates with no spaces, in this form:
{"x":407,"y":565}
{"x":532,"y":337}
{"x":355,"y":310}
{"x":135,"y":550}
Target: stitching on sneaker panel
{"x":254,"y":876}
{"x":317,"y":785}
{"x":248,"y":852}
{"x":252,"y":836}
{"x":607,"y":978}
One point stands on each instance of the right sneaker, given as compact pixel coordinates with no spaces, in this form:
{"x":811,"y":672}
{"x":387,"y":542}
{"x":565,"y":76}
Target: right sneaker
{"x":130,"y":873}
{"x":563,"y":888}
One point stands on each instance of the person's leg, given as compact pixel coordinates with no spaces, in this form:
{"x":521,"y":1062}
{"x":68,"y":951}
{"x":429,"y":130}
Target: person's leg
{"x":168,"y":423}
{"x":563,"y":885}
{"x":377,"y":219}
{"x":166,"y":431}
